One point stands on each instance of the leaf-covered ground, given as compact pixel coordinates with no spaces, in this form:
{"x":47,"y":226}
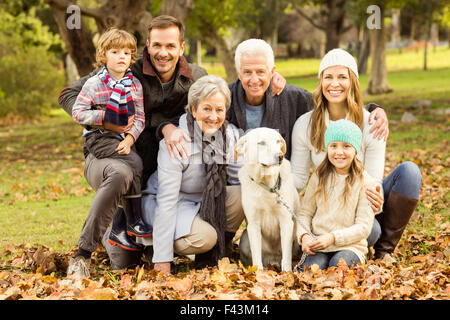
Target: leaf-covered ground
{"x":38,"y":273}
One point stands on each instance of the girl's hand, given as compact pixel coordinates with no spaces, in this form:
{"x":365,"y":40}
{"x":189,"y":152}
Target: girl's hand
{"x":322,"y":242}
{"x":124,"y":146}
{"x":306,"y":241}
{"x":375,"y":198}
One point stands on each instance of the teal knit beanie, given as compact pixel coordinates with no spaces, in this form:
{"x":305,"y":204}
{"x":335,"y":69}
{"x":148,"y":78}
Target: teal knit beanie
{"x":345,"y":131}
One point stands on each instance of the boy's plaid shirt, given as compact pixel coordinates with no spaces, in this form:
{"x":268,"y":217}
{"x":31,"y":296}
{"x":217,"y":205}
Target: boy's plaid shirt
{"x":90,"y":106}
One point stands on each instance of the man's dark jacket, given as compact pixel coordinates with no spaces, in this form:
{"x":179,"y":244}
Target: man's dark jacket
{"x":154,"y":106}
{"x":281,"y":111}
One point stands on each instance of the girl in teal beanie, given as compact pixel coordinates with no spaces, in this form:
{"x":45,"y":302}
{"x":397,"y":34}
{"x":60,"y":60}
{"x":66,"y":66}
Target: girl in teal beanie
{"x":336,"y":217}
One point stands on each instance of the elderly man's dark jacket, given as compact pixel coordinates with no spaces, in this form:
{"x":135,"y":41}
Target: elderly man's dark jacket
{"x":154,"y":106}
{"x":281,"y":111}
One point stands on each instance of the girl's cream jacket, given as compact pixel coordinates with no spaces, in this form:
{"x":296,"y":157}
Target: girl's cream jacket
{"x":350,"y":225}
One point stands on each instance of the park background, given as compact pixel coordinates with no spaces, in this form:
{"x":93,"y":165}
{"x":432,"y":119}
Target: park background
{"x":404,"y":67}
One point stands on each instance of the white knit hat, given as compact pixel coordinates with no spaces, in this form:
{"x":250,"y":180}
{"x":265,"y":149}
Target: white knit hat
{"x":338,"y":57}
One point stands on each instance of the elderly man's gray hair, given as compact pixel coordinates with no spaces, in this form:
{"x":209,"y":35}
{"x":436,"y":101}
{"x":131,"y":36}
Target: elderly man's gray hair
{"x":254,"y":47}
{"x":205,"y":87}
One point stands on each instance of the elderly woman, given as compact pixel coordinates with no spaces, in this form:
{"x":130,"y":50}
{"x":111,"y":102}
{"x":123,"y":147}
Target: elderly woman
{"x":194,"y":205}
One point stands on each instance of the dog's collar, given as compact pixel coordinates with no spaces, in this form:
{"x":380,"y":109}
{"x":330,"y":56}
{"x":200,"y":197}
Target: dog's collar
{"x":273,"y":189}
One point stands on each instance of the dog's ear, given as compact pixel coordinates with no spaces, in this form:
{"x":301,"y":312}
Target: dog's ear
{"x":283,"y":145}
{"x":239,"y":147}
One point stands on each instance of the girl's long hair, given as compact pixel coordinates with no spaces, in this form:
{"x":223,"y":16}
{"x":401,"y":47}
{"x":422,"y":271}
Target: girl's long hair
{"x":317,"y":122}
{"x":326,"y":172}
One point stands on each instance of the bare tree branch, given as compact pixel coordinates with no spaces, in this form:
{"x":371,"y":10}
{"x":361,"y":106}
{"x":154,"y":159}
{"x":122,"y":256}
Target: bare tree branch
{"x":64,"y":4}
{"x":310,"y":20}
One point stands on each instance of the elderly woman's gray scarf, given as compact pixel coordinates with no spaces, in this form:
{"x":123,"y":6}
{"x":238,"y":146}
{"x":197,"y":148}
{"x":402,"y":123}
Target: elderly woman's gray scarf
{"x":212,"y":208}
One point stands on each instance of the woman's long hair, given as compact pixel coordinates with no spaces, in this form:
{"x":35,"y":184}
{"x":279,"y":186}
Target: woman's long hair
{"x":317,"y":121}
{"x":326,"y":172}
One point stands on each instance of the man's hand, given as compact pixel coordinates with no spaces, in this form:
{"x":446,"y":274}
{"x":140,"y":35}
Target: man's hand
{"x":381,"y":127}
{"x":119,"y":129}
{"x":322,"y":242}
{"x":175,"y":140}
{"x":163,"y":267}
{"x":375,"y":198}
{"x":278,"y":84}
{"x":124,"y":146}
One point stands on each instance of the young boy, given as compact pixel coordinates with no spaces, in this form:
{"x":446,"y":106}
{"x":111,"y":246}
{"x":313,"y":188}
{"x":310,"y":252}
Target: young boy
{"x":110,"y":107}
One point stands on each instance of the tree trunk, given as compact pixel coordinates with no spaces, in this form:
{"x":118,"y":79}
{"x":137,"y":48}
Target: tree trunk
{"x":434,"y":34}
{"x":225,"y":54}
{"x":414,"y":29}
{"x":335,"y":23}
{"x":427,"y":35}
{"x":177,"y":8}
{"x":395,"y":34}
{"x":448,"y":37}
{"x":332,"y":22}
{"x":378,"y":82}
{"x":363,"y":56}
{"x":78,"y":42}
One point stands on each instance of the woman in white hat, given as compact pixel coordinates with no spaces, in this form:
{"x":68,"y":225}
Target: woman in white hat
{"x":338,"y":96}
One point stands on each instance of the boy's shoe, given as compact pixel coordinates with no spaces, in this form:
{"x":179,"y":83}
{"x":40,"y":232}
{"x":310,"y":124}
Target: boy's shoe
{"x":118,"y":234}
{"x":133,"y":213}
{"x":79,"y":267}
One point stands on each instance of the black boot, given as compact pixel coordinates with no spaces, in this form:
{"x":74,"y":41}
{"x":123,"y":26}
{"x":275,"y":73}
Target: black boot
{"x":397,"y":211}
{"x":133,"y":213}
{"x":229,"y":244}
{"x":204,"y":260}
{"x":118,"y":235}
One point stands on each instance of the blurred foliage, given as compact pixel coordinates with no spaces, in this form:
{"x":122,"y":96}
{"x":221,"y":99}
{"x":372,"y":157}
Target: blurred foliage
{"x":30,"y":73}
{"x":219,"y":16}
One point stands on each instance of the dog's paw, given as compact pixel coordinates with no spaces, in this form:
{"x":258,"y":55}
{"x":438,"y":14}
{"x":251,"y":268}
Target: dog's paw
{"x":286,"y":267}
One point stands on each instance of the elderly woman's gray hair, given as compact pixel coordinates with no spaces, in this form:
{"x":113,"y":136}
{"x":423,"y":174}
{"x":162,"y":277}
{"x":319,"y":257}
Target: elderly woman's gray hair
{"x":205,"y":87}
{"x":254,"y":47}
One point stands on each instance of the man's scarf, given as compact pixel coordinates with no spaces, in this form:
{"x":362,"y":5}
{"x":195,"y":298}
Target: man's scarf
{"x":212,"y":208}
{"x":120,"y":105}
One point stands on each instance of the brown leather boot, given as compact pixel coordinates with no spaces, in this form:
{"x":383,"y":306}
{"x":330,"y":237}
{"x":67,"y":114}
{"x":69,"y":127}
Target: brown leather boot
{"x":393,"y":220}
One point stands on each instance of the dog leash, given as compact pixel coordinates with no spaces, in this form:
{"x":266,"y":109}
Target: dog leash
{"x":276,"y":189}
{"x":304,"y":254}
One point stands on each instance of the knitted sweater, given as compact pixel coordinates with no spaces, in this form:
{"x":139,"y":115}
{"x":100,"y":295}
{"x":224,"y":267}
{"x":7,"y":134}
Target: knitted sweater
{"x":90,"y":105}
{"x":372,"y":153}
{"x":350,"y":225}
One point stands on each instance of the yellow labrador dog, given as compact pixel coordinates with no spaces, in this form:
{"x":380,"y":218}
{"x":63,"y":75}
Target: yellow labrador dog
{"x":265,"y":174}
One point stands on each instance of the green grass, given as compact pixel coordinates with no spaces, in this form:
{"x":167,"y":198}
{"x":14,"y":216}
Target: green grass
{"x":45,"y":197}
